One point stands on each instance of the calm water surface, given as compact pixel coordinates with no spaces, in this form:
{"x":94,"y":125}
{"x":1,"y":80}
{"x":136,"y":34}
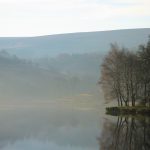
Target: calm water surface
{"x":69,"y":126}
{"x":49,"y":126}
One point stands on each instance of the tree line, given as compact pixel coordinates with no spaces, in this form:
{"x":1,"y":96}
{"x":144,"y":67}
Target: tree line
{"x":125,"y":75}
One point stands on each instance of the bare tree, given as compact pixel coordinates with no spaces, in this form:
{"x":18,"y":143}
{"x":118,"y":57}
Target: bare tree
{"x":125,"y":75}
{"x":119,"y":76}
{"x":144,"y":57}
{"x":110,"y":75}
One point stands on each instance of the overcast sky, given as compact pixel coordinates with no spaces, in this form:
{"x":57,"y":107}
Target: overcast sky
{"x":44,"y":17}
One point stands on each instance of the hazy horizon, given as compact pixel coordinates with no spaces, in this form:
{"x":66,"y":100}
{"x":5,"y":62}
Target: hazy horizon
{"x":67,"y":33}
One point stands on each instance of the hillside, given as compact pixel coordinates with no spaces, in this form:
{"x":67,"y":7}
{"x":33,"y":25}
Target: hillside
{"x":52,"y":45}
{"x":58,"y":66}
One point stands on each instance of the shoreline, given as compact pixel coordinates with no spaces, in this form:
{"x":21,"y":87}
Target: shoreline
{"x":137,"y":110}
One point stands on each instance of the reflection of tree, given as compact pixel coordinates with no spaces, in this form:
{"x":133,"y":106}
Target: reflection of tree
{"x":129,"y":133}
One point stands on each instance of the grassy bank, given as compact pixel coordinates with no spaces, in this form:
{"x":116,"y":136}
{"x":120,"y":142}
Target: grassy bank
{"x":137,"y":110}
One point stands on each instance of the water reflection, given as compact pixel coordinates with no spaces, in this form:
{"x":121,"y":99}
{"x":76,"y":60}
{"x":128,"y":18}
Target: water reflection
{"x":59,"y":126}
{"x":127,"y":133}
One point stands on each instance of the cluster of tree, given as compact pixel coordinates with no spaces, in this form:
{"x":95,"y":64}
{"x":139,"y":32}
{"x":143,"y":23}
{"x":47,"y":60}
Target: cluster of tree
{"x":9,"y":59}
{"x":127,"y":134}
{"x":125,"y":75}
{"x":80,"y":65}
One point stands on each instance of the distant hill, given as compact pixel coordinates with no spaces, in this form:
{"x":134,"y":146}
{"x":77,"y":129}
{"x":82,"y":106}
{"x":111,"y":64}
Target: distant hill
{"x":52,"y":45}
{"x":62,"y":66}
